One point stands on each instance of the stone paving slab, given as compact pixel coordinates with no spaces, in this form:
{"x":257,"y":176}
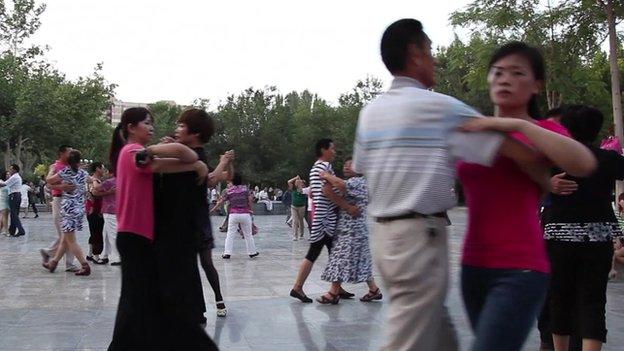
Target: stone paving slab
{"x":43,"y":311}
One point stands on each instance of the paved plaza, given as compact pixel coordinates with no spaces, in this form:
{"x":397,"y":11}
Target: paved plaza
{"x":43,"y":311}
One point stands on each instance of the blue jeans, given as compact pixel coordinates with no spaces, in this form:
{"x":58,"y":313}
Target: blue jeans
{"x":15,"y":201}
{"x":502,"y":305}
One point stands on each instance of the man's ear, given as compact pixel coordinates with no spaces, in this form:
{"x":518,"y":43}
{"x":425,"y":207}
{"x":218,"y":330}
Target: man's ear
{"x":414,"y":55}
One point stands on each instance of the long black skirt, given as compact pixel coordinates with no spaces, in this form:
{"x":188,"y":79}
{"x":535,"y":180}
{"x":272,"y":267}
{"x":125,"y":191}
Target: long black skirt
{"x":180,"y":292}
{"x":136,"y":325}
{"x":154,"y":313}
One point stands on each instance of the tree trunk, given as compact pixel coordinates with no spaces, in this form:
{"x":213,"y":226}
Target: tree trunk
{"x":18,"y":151}
{"x":7,"y":155}
{"x":616,"y":93}
{"x":553,"y":98}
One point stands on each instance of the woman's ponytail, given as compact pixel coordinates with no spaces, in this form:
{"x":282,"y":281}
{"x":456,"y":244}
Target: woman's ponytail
{"x":117,"y":143}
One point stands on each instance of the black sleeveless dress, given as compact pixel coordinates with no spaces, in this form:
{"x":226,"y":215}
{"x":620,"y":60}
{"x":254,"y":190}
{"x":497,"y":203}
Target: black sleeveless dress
{"x":178,"y":235}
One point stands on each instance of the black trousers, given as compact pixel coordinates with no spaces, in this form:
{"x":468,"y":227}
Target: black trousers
{"x":15,"y":200}
{"x":578,"y":290}
{"x":315,"y":248}
{"x":96,"y":227}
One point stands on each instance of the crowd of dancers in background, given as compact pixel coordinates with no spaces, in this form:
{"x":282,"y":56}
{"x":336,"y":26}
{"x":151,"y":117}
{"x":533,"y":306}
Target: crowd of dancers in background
{"x":525,"y":257}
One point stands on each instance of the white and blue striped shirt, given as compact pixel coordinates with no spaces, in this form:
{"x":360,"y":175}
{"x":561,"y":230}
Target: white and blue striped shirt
{"x":407,"y":144}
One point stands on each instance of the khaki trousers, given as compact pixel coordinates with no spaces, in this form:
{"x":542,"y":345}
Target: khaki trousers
{"x":413,"y":263}
{"x":297,"y":215}
{"x":56,"y":217}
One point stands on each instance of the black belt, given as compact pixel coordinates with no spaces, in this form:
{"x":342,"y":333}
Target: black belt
{"x":411,"y":215}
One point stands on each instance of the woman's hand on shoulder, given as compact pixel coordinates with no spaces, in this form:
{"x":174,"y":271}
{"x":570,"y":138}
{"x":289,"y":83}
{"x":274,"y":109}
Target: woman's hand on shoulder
{"x":354,"y":211}
{"x":167,"y":140}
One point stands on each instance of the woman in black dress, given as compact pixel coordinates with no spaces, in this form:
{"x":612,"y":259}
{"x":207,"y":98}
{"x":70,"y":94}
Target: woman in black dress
{"x":579,"y":229}
{"x":182,"y":232}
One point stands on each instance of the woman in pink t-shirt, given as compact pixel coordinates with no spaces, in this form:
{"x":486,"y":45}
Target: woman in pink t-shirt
{"x":505,"y":270}
{"x":137,"y":322}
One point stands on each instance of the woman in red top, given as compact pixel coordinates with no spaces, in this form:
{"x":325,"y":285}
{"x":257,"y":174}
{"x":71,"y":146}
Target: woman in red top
{"x":505,"y":269}
{"x":139,"y":313}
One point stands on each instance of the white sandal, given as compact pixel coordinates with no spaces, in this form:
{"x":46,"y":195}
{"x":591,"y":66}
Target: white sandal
{"x":221,"y":312}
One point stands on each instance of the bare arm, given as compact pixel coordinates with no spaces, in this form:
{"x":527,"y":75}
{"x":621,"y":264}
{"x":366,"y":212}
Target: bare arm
{"x":97,"y":190}
{"x":54,"y":179}
{"x":214,"y":178}
{"x":566,"y":153}
{"x":173,"y":150}
{"x":219,"y":203}
{"x":336,"y":182}
{"x":291,"y":182}
{"x":222,"y":172}
{"x":354,"y":211}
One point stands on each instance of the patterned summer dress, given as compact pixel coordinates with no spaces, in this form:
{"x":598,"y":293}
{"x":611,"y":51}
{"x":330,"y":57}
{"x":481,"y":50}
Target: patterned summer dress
{"x":4,"y":198}
{"x":73,"y":203}
{"x":350,"y":258}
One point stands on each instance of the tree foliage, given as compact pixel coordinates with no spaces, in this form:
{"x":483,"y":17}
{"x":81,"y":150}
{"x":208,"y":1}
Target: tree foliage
{"x":39,"y":107}
{"x":568,"y":32}
{"x":274,"y":134}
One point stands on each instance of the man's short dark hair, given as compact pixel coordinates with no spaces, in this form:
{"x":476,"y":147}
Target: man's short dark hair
{"x":63,"y":148}
{"x":15,"y":167}
{"x":321,"y":145}
{"x":396,"y":40}
{"x":200,"y":122}
{"x":94,"y":166}
{"x":583,"y":122}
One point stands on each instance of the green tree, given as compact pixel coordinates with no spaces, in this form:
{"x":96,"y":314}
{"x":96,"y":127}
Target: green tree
{"x":39,"y":107}
{"x":568,"y":33}
{"x":17,"y":25}
{"x":165,"y":116}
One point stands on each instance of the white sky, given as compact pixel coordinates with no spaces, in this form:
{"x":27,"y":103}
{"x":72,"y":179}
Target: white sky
{"x":186,"y":49}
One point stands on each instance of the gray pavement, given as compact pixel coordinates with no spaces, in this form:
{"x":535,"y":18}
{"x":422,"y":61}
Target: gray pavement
{"x":43,"y":311}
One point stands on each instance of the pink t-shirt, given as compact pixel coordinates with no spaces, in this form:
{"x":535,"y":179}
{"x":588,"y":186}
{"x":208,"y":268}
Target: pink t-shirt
{"x":134,"y":195}
{"x":503,"y":223}
{"x":238,"y":196}
{"x":58,"y":166}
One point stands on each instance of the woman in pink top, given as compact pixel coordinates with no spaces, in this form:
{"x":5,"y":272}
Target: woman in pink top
{"x":241,"y":202}
{"x":137,"y":323}
{"x":505,"y":270}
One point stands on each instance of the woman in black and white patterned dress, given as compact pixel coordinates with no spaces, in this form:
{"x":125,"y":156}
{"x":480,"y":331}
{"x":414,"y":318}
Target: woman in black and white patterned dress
{"x":350,"y":257}
{"x":72,"y":212}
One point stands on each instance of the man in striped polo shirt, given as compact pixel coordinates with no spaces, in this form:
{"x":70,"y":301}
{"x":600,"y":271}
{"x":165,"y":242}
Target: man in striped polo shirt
{"x":406,"y":145}
{"x":324,"y":217}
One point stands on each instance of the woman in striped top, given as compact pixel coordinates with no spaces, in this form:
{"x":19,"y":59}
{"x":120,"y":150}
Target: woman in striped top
{"x":324,"y":218}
